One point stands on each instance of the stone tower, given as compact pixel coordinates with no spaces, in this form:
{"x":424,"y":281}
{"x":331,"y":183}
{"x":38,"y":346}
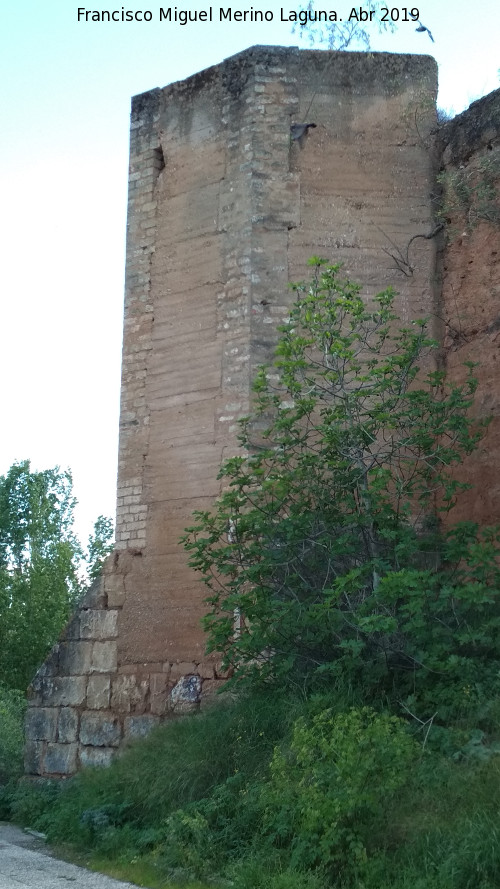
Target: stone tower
{"x":225,"y":208}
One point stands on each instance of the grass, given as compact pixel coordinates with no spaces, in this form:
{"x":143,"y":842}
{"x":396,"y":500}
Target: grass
{"x":141,"y":872}
{"x":190,"y":807}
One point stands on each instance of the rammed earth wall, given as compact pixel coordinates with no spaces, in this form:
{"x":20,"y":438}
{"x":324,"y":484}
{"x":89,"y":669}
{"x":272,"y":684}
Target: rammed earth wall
{"x":224,"y":210}
{"x":469,"y":152}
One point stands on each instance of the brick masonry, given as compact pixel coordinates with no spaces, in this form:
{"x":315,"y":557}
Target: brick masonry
{"x":224,"y":210}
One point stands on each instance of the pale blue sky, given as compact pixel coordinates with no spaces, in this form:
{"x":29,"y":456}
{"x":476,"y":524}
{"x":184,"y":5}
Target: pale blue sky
{"x":65,"y":102}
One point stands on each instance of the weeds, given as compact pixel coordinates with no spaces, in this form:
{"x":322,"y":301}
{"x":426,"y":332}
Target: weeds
{"x":12,"y":707}
{"x":473,"y":193}
{"x":270,"y":792}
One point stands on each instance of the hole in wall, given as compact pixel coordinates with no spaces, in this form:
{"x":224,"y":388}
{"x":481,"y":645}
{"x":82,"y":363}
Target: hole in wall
{"x":159,"y":159}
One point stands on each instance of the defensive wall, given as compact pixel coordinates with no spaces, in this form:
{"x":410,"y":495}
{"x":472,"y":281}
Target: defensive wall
{"x":468,"y":150}
{"x":225,"y":208}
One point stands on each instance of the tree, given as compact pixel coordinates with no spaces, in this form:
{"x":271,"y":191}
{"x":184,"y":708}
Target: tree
{"x":325,"y":554}
{"x":99,"y":546}
{"x":342,"y":35}
{"x":40,"y":566}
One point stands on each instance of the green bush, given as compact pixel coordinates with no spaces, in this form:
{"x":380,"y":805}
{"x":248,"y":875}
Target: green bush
{"x":326,"y":540}
{"x":12,"y":709}
{"x":328,"y":790}
{"x":208,"y":836}
{"x":31,"y":801}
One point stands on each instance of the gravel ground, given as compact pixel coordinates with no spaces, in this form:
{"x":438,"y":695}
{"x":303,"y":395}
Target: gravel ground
{"x":26,"y":863}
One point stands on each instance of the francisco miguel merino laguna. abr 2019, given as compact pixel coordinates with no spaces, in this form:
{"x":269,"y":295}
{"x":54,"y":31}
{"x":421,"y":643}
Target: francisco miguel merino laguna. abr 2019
{"x":221,"y":14}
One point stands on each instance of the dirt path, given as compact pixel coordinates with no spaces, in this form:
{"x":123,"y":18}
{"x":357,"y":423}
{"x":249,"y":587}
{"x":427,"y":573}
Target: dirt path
{"x":25,"y":863}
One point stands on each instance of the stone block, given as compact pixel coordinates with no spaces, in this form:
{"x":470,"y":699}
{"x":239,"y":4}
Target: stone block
{"x":147,"y":668}
{"x":50,"y":666}
{"x":97,"y":757}
{"x":129,"y":694}
{"x":60,"y":759}
{"x":35,"y":692}
{"x":98,"y":624}
{"x":67,"y":729}
{"x":75,"y":658}
{"x":182,"y":669}
{"x":104,"y":657}
{"x":41,"y":723}
{"x":158,"y":697}
{"x":210,"y":689}
{"x":115,"y":590}
{"x":33,"y":757}
{"x":185,"y":695}
{"x":139,"y":726}
{"x":64,"y":691}
{"x":72,"y":629}
{"x":184,"y":707}
{"x":206,"y":670}
{"x":100,"y":729}
{"x":98,"y":692}
{"x":94,"y":597}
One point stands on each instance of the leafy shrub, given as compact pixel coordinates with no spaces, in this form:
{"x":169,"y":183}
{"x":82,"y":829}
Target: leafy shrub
{"x":327,"y":790}
{"x":324,"y":542}
{"x":12,"y":709}
{"x":31,"y":801}
{"x":204,"y":838}
{"x":188,"y":843}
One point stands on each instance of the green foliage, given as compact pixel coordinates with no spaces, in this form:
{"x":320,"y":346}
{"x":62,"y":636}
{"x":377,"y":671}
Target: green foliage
{"x":39,"y":561}
{"x":271,"y":792}
{"x":41,"y":565}
{"x":188,"y":845}
{"x":30,"y":802}
{"x":266,"y":873}
{"x":323,"y":556}
{"x":210,"y":834}
{"x":327,"y":790}
{"x":444,"y":834}
{"x":99,"y":546}
{"x":12,"y":707}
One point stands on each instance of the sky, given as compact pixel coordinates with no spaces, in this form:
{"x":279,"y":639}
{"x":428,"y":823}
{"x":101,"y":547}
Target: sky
{"x":64,"y":106}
